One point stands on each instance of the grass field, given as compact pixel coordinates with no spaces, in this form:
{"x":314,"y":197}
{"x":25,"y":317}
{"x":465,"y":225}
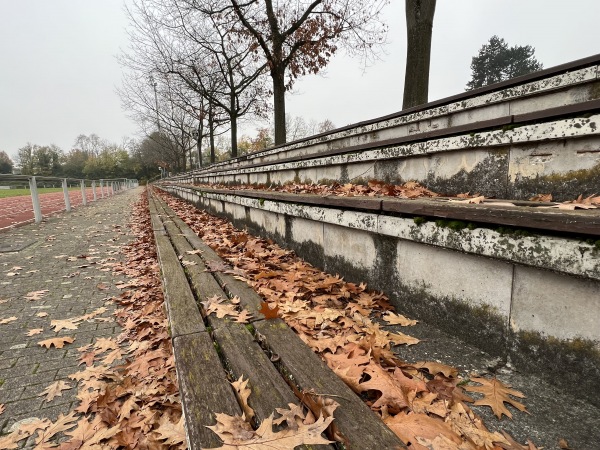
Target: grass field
{"x":4,"y":193}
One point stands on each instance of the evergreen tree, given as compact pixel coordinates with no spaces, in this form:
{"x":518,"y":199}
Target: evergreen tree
{"x":6,"y":164}
{"x":498,"y":62}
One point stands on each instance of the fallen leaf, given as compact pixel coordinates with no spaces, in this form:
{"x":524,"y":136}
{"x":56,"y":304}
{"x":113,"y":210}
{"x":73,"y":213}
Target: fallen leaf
{"x":58,"y":342}
{"x":104,"y":344}
{"x":103,"y":286}
{"x":510,"y":444}
{"x":563,"y":444}
{"x":84,"y":431}
{"x":243,"y":317}
{"x":67,"y":324}
{"x":495,"y":395}
{"x":541,"y":198}
{"x":54,"y":390}
{"x":172,"y":433}
{"x":185,"y":262}
{"x":36,"y":295}
{"x":268,"y":312}
{"x":475,"y":200}
{"x":34,"y":331}
{"x":242,"y":392}
{"x":2,"y":408}
{"x":8,"y":320}
{"x":234,"y":433}
{"x":112,"y":356}
{"x":63,"y":423}
{"x":42,"y":314}
{"x":10,"y":441}
{"x":398,"y":319}
{"x":434,"y":368}
{"x":410,"y":427}
{"x":293,"y":416}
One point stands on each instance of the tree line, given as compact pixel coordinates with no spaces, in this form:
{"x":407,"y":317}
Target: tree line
{"x":91,"y":157}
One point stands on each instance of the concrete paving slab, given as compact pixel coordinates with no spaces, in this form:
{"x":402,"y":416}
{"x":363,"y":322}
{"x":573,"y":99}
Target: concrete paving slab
{"x":65,"y":255}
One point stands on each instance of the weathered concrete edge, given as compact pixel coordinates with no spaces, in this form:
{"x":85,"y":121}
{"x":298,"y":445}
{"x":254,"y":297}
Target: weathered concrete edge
{"x":434,"y":112}
{"x":562,"y":255}
{"x":555,"y":130}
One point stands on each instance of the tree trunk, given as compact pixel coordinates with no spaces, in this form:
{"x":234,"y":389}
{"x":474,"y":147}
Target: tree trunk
{"x":199,"y":142}
{"x":279,"y":104}
{"x":211,"y":133}
{"x":234,"y":146}
{"x":419,"y":26}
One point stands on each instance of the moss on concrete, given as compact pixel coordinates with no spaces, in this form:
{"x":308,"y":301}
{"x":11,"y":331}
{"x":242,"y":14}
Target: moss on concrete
{"x":480,"y":325}
{"x":563,"y":186}
{"x":573,"y":365}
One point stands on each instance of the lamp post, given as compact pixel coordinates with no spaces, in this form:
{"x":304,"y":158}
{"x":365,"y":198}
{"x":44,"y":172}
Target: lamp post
{"x":153,"y":83}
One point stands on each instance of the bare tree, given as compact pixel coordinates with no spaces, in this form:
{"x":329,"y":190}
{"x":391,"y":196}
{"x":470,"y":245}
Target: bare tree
{"x":178,"y":37}
{"x":419,"y":27}
{"x":299,"y":38}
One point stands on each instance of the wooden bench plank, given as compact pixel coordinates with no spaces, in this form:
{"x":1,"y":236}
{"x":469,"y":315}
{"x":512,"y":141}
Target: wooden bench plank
{"x":239,"y":351}
{"x":232,"y":286}
{"x":203,"y":387}
{"x":184,"y":315}
{"x":522,"y":215}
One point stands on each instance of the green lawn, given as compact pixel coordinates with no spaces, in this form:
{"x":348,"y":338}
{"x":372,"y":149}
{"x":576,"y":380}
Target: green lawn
{"x":18,"y":192}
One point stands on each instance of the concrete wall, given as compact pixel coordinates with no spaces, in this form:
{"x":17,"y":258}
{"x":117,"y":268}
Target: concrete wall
{"x":493,"y":290}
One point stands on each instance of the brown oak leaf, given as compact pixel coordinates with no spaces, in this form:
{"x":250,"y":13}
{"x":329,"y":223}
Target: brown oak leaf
{"x":172,"y":433}
{"x":411,"y":427}
{"x":58,"y":342}
{"x":54,"y":390}
{"x":7,"y":320}
{"x":398,"y":319}
{"x":268,"y":312}
{"x":63,"y":423}
{"x":235,"y":434}
{"x":495,"y":395}
{"x":66,"y":324}
{"x":242,"y":392}
{"x":36,"y":295}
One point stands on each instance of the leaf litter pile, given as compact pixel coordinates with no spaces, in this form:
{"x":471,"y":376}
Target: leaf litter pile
{"x":424,"y":403}
{"x":131,"y":405}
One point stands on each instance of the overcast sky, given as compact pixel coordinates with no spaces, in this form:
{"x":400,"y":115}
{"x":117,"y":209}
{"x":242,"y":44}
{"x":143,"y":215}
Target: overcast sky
{"x":58,"y":68}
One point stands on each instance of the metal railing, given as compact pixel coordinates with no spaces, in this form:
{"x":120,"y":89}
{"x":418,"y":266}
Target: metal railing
{"x":107,"y":188}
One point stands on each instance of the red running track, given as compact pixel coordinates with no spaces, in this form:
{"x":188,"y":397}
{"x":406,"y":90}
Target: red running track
{"x":16,"y":211}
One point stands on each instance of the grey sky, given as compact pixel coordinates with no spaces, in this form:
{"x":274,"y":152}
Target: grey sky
{"x":58,"y":69}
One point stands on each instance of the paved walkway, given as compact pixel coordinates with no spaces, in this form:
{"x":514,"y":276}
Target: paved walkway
{"x":69,"y":256}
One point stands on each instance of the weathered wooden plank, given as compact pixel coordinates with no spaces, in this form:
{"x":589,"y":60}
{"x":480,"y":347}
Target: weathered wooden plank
{"x":361,"y":427}
{"x":232,"y":286}
{"x":586,"y":222}
{"x":184,"y":315}
{"x":243,"y":356}
{"x":203,"y":387}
